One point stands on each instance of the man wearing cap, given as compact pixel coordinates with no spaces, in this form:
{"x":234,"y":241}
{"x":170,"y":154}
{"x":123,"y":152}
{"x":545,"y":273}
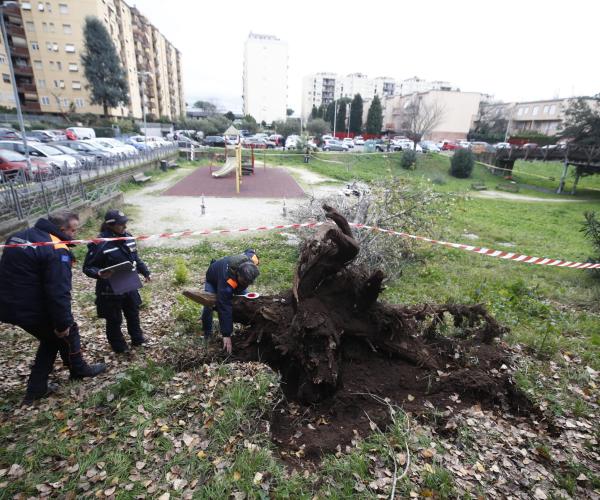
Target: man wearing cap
{"x":110,"y":305}
{"x":227,"y":277}
{"x":35,"y":294}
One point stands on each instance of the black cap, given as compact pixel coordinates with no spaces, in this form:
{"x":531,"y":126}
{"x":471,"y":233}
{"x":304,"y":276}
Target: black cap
{"x":115,"y":217}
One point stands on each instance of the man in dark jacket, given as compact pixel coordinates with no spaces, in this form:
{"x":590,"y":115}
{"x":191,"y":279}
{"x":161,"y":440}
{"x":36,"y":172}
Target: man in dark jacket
{"x":110,"y":305}
{"x":35,"y":294}
{"x":227,"y":277}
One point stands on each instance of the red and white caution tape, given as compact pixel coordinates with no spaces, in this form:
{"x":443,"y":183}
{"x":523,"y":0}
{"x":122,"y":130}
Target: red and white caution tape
{"x":517,"y":257}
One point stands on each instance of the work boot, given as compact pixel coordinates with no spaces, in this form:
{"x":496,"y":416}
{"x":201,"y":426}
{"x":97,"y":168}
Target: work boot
{"x":31,"y":397}
{"x":139,"y":342}
{"x":88,"y":371}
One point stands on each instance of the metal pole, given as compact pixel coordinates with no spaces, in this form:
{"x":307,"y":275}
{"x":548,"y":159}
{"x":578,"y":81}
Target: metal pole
{"x":13,"y":81}
{"x":334,"y":117}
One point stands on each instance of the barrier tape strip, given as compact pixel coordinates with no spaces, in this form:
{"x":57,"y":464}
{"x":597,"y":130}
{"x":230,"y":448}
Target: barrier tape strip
{"x":517,"y":257}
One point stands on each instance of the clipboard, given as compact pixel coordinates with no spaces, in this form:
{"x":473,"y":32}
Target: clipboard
{"x":124,"y":278}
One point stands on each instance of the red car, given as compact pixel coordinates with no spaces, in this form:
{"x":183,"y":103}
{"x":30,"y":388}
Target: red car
{"x":449,"y":146}
{"x":12,"y":162}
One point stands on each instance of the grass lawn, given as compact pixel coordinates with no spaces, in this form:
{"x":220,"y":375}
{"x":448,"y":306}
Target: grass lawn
{"x":202,"y":431}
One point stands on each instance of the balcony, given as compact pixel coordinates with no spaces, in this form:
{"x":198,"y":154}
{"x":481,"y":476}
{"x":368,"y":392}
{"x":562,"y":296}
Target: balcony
{"x":24,"y":70}
{"x":26,"y":87}
{"x":15,"y":30}
{"x":31,"y":107}
{"x":19,"y":51}
{"x":12,"y":9}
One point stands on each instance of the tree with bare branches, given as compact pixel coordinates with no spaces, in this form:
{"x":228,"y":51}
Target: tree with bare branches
{"x":420,"y":117}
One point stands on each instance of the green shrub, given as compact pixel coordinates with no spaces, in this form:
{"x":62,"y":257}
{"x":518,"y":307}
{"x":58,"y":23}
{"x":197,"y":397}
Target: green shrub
{"x":462,"y":164}
{"x":182,"y":274}
{"x":409,"y":159}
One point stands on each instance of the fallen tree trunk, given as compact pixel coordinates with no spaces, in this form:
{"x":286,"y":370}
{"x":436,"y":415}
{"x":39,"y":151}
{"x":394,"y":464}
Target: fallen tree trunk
{"x":306,"y":332}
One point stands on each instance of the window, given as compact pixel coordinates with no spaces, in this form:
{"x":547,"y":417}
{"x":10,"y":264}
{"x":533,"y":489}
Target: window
{"x":48,"y":7}
{"x":552,"y":109}
{"x":30,"y":26}
{"x":535,"y":110}
{"x":525,"y":110}
{"x":45,"y":100}
{"x":41,"y":84}
{"x":55,"y":47}
{"x":65,"y":102}
{"x":49,"y":46}
{"x":69,"y":47}
{"x":76,"y":85}
{"x":67,"y":30}
{"x":73,"y":67}
{"x":52,"y":65}
{"x":26,"y":5}
{"x":37,"y":64}
{"x":45,"y":27}
{"x":5,"y":78}
{"x":35,"y":46}
{"x":40,"y":6}
{"x":51,"y":27}
{"x":546,"y":108}
{"x":63,"y":8}
{"x":520,"y":112}
{"x":58,"y":66}
{"x":79,"y":103}
{"x":2,"y":59}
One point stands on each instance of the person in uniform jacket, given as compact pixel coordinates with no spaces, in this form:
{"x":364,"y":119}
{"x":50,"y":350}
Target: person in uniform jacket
{"x":35,"y":294}
{"x":109,"y":305}
{"x":227,"y":277}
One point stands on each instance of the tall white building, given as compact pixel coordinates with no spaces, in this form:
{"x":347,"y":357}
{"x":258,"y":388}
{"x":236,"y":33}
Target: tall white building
{"x":416,"y":84}
{"x":323,"y":88}
{"x":265,"y":77}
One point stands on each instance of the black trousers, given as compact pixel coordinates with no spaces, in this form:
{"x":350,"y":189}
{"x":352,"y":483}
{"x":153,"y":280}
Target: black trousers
{"x":50,"y":345}
{"x":112,"y":309}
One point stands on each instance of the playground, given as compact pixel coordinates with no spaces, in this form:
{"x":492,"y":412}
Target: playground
{"x":238,"y":177}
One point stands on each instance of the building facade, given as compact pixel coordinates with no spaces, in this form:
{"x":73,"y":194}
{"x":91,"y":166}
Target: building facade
{"x":416,"y":84}
{"x":265,"y":78}
{"x":456,"y":112}
{"x":323,"y":88}
{"x":46,"y":43}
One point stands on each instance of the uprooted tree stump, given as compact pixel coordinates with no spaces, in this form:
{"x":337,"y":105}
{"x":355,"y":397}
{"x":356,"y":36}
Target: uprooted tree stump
{"x":332,"y":313}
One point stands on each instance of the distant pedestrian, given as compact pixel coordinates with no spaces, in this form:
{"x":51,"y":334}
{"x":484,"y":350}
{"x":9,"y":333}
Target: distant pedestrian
{"x":111,"y":305}
{"x":35,"y":294}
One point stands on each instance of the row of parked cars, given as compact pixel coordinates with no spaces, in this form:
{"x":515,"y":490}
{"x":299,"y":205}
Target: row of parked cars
{"x":61,"y":155}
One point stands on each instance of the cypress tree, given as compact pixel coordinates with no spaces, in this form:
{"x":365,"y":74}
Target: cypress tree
{"x":375,"y":117}
{"x":356,"y":114}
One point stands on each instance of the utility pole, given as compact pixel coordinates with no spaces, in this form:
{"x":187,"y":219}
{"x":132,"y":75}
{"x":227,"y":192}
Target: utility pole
{"x":334,"y":117}
{"x":348,"y":118}
{"x":13,"y":81}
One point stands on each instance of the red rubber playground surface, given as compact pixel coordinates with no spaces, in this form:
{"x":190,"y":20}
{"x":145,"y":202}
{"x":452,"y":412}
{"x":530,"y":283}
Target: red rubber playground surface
{"x":270,"y":182}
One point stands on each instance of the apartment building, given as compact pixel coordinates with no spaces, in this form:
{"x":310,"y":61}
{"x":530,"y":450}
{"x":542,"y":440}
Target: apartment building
{"x":46,"y":42}
{"x":323,"y":88}
{"x":415,"y":84}
{"x":265,"y":78}
{"x":457,"y":112}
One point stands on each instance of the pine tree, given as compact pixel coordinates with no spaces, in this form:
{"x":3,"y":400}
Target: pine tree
{"x":341,"y":114}
{"x":375,"y":117}
{"x":330,"y":113}
{"x":356,"y":114}
{"x":321,"y":111}
{"x":102,"y":67}
{"x":314,"y":112}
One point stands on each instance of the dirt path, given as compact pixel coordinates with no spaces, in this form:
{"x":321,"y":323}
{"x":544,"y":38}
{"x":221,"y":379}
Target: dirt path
{"x":154,"y":213}
{"x":501,"y":195}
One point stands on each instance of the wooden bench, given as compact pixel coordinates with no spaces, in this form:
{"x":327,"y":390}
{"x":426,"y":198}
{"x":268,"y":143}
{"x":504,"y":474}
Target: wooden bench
{"x":166,"y":165}
{"x":140,"y":178}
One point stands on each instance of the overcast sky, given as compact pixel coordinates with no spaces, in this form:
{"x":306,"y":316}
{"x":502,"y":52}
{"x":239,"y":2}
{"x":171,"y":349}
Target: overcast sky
{"x":514,"y":50}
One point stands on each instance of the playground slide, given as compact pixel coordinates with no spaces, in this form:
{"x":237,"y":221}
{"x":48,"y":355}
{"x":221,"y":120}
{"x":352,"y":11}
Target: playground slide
{"x":230,"y":166}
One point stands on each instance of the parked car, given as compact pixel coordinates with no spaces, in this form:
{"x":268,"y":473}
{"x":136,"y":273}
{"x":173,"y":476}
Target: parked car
{"x":115,"y":145}
{"x":292,"y":142}
{"x":84,"y":157}
{"x":214,"y":141}
{"x":482,"y":147}
{"x":58,"y":134}
{"x":80,"y":133}
{"x":429,"y":147}
{"x":449,"y":146}
{"x":530,"y":145}
{"x":334,"y":145}
{"x":186,"y":142}
{"x":327,"y":138}
{"x":86,"y":148}
{"x":9,"y":134}
{"x":359,"y":141}
{"x":464,"y":144}
{"x":278,"y":139}
{"x":62,"y":163}
{"x":139,"y":146}
{"x":12,"y":162}
{"x":40,"y":135}
{"x":348,"y":142}
{"x":503,"y":145}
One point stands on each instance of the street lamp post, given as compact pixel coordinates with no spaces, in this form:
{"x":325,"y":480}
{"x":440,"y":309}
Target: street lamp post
{"x":334,"y":117}
{"x":13,"y":81}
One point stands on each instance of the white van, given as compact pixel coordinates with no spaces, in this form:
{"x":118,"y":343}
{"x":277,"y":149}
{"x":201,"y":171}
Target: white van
{"x":81,"y":133}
